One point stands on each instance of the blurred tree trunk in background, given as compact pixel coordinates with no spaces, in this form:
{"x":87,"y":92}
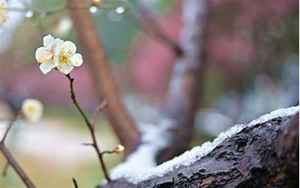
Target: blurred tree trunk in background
{"x":90,"y":41}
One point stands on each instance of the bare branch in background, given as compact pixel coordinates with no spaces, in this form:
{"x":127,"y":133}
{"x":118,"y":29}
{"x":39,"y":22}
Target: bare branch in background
{"x":186,"y":85}
{"x":75,"y":183}
{"x":10,"y":126}
{"x":91,"y":44}
{"x":151,"y":27}
{"x":11,"y":161}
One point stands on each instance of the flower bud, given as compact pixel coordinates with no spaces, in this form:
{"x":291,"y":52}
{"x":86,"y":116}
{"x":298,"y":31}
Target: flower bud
{"x":32,"y":110}
{"x":119,"y":149}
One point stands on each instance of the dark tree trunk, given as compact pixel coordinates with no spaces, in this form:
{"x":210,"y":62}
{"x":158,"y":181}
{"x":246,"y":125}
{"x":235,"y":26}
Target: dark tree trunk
{"x":263,"y":155}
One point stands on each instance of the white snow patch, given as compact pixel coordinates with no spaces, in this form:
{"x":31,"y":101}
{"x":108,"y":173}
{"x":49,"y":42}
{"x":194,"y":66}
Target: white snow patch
{"x":283,"y":112}
{"x":139,"y":168}
{"x":154,"y":138}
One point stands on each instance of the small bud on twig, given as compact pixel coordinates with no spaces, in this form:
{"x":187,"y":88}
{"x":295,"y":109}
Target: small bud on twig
{"x":119,"y":149}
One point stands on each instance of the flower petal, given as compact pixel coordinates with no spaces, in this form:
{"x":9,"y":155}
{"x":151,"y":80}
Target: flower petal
{"x":65,"y":68}
{"x":48,"y":40}
{"x":76,"y":60}
{"x":56,"y":60}
{"x":58,"y":42}
{"x":47,"y":67}
{"x":69,"y":47}
{"x":42,"y":54}
{"x":58,"y":49}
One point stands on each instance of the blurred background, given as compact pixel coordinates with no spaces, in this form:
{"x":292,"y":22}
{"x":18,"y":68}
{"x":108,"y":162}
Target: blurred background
{"x":252,"y":50}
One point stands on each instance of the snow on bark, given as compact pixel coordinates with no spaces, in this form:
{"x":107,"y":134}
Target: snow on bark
{"x":154,"y":138}
{"x":140,"y":165}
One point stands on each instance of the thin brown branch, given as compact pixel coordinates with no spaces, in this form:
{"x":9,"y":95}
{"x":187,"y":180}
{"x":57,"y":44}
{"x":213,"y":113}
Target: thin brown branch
{"x":95,"y":56}
{"x":11,"y":161}
{"x":90,"y":127}
{"x":150,"y":25}
{"x":75,"y":183}
{"x":16,"y":166}
{"x":108,"y":152}
{"x":10,"y":126}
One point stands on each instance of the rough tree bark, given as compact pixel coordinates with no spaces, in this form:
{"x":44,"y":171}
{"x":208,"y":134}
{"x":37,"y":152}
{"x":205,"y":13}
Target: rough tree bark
{"x":263,"y":155}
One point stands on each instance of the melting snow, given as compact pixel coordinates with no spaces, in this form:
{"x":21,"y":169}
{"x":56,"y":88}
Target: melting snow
{"x":154,"y":138}
{"x":141,"y":165}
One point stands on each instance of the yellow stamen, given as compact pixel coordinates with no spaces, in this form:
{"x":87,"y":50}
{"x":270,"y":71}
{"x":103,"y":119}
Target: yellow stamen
{"x":64,"y":58}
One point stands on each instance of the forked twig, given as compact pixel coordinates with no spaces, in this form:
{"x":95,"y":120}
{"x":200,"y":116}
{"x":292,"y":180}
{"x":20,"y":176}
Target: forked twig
{"x":90,"y":127}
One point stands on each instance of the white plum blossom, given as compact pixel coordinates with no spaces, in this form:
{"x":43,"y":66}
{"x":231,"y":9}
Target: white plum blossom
{"x":3,"y":11}
{"x":68,"y":58}
{"x":59,"y":54}
{"x":32,"y":109}
{"x":47,"y":54}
